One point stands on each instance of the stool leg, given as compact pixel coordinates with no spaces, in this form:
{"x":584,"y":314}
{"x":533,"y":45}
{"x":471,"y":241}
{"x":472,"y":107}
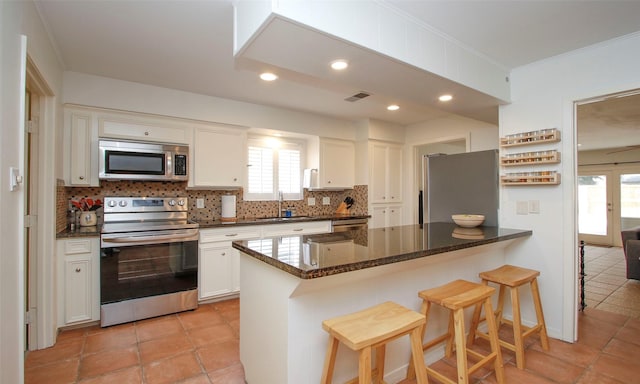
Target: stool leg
{"x":461,"y":348}
{"x":448,"y":350}
{"x":364,"y":366}
{"x":417,"y":356}
{"x":544,"y":339}
{"x":475,"y":321}
{"x":495,"y":343}
{"x":329,"y":361}
{"x":380,"y":353}
{"x":500,"y":309}
{"x":517,"y":328}
{"x":424,"y":309}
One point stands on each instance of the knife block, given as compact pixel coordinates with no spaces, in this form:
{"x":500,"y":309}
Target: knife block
{"x":342,"y":209}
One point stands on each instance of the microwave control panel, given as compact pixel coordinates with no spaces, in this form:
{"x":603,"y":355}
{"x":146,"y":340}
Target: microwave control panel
{"x":180,"y":165}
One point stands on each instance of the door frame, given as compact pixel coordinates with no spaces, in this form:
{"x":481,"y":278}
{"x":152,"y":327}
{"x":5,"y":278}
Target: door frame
{"x":44,"y":318}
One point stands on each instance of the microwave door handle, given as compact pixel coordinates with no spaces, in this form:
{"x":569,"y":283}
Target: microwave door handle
{"x":140,"y":239}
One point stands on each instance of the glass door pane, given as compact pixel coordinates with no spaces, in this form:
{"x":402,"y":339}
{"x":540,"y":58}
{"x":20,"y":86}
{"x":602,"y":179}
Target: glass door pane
{"x":629,"y":200}
{"x":594,"y":208}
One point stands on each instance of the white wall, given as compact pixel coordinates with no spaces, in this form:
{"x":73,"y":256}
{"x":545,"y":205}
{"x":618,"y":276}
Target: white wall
{"x":16,"y":19}
{"x":482,"y":136}
{"x":543,"y":94}
{"x":104,"y":92}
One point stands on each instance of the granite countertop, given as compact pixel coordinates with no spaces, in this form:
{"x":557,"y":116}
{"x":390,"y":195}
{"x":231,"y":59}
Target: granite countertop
{"x":333,"y":253}
{"x":276,"y":220}
{"x":95,"y":230}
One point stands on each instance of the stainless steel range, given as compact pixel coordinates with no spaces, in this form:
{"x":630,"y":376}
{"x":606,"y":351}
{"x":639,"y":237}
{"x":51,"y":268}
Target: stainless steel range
{"x":148,"y":259}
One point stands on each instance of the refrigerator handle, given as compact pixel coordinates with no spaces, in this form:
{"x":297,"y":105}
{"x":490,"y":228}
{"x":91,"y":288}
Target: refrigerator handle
{"x":420,"y":209}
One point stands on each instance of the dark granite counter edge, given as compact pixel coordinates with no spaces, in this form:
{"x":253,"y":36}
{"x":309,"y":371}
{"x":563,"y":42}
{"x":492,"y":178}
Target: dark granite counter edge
{"x":328,"y":271}
{"x":95,"y":231}
{"x":284,"y":220}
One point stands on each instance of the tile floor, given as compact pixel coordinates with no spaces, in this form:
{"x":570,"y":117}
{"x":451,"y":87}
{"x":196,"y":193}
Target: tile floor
{"x":606,"y":285}
{"x":192,"y":347}
{"x":201,"y":346}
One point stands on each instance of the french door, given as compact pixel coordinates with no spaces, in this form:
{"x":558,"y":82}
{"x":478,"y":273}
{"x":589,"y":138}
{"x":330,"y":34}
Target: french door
{"x":608,"y":202}
{"x":595,"y":207}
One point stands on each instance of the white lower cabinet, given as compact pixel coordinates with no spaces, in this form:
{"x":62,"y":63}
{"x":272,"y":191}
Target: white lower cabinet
{"x":78,"y":284}
{"x":215,"y":270}
{"x":386,"y":216}
{"x":219,"y":262}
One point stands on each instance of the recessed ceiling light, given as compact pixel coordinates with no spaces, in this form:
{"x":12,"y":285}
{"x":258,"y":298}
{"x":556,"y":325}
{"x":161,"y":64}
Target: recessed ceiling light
{"x":393,"y":107}
{"x":268,"y":76}
{"x":445,"y":98}
{"x":339,"y":65}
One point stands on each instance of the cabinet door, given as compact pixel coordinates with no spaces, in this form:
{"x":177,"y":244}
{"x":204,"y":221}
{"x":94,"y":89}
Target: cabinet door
{"x":143,"y":129}
{"x":378,"y":173}
{"x":337,"y":164}
{"x":77,"y":290}
{"x":378,"y":217}
{"x":219,"y":158}
{"x":394,"y":216}
{"x":214,"y":270}
{"x":394,"y":174}
{"x":82,"y":156}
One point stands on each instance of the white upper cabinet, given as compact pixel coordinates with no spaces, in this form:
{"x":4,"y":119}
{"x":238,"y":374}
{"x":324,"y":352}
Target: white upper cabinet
{"x":218,"y":157}
{"x":386,"y":172}
{"x":81,"y":148}
{"x":143,"y":128}
{"x":334,"y":161}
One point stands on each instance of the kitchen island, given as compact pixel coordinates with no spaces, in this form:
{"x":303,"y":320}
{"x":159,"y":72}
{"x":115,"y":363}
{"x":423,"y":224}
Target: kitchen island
{"x":288,"y":285}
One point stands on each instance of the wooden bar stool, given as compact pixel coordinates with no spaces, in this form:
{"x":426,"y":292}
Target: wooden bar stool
{"x":456,"y":296}
{"x":514,"y":278}
{"x":373,"y":328}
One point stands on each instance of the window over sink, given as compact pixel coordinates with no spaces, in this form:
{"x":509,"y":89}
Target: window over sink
{"x":274,"y":165}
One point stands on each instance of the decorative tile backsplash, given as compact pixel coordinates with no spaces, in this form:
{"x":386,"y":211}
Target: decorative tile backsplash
{"x":212,"y":199}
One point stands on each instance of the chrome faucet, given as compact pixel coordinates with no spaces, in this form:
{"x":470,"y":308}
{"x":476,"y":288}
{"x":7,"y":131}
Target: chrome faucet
{"x":280,"y":198}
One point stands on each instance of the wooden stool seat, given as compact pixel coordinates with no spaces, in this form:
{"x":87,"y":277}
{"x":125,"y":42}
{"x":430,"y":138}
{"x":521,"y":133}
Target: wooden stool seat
{"x":456,"y":296}
{"x":514,"y":278}
{"x":373,"y":328}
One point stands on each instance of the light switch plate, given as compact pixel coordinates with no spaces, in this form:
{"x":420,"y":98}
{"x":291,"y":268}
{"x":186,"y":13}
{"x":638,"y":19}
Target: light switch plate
{"x":311,"y":201}
{"x":534,"y":206}
{"x":522,"y":207}
{"x":199,"y":203}
{"x":326,"y":200}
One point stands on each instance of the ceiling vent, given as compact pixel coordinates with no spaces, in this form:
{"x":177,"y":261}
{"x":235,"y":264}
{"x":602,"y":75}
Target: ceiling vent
{"x":357,"y":96}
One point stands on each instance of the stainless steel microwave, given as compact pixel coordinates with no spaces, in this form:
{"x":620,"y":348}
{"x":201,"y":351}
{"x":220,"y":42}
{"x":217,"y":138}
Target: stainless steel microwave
{"x":130,"y":160}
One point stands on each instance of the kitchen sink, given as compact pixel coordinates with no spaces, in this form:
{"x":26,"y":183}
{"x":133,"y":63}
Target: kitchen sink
{"x":292,"y":218}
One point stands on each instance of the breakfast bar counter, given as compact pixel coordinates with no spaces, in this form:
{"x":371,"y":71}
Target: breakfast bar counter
{"x":289,"y":285}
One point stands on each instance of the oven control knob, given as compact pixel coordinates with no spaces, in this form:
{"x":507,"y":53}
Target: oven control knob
{"x":172,"y":202}
{"x":112,"y":203}
{"x":122,"y":203}
{"x":181,"y":202}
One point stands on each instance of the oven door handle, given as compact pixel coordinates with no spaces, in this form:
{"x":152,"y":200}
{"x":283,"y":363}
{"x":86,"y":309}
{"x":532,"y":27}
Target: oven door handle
{"x":148,"y":238}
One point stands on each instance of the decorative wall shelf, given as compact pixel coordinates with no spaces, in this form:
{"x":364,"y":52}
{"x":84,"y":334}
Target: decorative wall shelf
{"x":530,"y":158}
{"x":550,"y":135}
{"x":531,"y":178}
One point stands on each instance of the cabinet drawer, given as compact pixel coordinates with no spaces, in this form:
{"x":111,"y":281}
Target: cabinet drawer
{"x":143,"y":131}
{"x":229,"y":234}
{"x":74,"y":247}
{"x":296,"y":228}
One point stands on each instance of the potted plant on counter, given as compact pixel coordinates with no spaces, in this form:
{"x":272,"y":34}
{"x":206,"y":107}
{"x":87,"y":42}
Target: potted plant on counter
{"x":88,"y":208}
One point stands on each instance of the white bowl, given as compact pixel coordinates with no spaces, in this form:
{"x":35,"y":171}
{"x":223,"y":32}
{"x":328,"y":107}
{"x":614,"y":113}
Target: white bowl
{"x":468,"y":221}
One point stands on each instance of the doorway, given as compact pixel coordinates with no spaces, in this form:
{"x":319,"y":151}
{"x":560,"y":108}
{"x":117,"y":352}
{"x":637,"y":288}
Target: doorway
{"x":449,"y":146}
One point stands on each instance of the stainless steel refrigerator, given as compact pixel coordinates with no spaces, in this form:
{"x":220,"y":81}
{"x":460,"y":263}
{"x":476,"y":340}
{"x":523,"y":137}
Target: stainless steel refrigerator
{"x":463,"y":183}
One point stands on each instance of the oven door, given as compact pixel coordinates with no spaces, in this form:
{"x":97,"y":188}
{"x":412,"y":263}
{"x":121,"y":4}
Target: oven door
{"x":143,"y":264}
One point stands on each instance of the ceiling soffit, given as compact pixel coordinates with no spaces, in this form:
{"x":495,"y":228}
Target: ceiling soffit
{"x":308,"y":52}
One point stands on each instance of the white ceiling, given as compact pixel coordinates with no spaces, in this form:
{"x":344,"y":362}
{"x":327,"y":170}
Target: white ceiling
{"x":188,"y":45}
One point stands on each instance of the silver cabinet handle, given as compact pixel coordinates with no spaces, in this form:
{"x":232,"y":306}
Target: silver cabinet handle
{"x":78,"y":269}
{"x":298,"y":229}
{"x":81,"y":177}
{"x":231,"y":234}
